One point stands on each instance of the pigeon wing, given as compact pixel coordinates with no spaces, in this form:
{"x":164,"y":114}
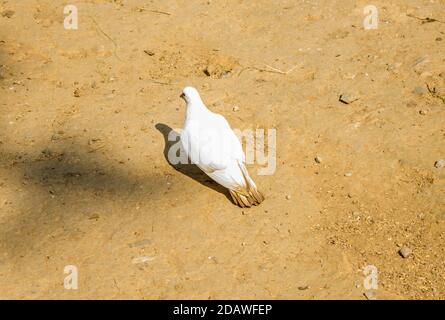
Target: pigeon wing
{"x":236,"y":149}
{"x":225,"y":147}
{"x":207,"y":146}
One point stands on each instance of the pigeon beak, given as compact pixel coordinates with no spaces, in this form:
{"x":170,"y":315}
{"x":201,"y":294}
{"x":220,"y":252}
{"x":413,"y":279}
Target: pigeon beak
{"x":182,"y":96}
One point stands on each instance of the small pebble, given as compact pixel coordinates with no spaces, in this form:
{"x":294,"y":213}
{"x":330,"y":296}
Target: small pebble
{"x":303,"y":287}
{"x":140,"y":243}
{"x":235,"y":108}
{"x":150,"y":53}
{"x":348,"y":174}
{"x":420,"y":90}
{"x":348,"y":98}
{"x":145,"y":259}
{"x":288,"y":197}
{"x":405,"y":252}
{"x":439,"y":163}
{"x":318,"y":159}
{"x":207,"y":72}
{"x":422,"y":112}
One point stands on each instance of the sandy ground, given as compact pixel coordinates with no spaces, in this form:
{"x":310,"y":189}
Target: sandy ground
{"x":84,"y":180}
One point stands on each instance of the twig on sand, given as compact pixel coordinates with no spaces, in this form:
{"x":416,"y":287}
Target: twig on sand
{"x":154,"y":11}
{"x":160,"y":12}
{"x":280,"y":71}
{"x":109,"y":38}
{"x":425,"y":20}
{"x":159,"y":82}
{"x":434,"y":93}
{"x":271,"y":69}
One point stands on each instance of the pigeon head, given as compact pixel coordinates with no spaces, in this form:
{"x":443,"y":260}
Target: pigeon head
{"x":190,"y":95}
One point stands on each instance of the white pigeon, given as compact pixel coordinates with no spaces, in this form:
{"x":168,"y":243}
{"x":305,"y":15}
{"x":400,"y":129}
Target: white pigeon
{"x":210,"y":143}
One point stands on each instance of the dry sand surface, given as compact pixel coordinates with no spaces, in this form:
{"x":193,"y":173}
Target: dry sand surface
{"x":84,"y":180}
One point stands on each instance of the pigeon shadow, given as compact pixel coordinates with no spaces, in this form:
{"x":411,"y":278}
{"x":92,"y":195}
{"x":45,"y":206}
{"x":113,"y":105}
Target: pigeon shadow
{"x":190,"y":170}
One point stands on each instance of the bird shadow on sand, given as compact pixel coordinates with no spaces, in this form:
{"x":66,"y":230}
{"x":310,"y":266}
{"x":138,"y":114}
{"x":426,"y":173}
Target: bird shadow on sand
{"x":189,"y":169}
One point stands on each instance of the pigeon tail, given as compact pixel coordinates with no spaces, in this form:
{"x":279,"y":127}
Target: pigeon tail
{"x":246,"y":200}
{"x":248,"y":196}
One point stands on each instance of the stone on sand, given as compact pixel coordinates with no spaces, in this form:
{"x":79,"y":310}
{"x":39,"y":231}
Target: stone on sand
{"x":439,"y":163}
{"x":348,"y":98}
{"x":405,"y":252}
